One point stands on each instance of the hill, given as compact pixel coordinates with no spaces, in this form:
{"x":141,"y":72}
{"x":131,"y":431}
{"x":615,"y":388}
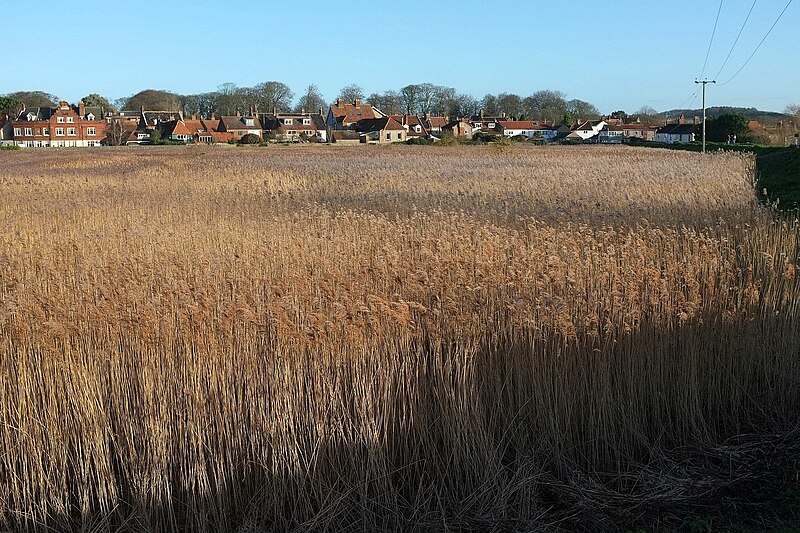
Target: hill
{"x":751,"y":113}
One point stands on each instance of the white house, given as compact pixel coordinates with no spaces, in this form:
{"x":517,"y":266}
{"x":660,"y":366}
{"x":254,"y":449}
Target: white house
{"x":677,"y":133}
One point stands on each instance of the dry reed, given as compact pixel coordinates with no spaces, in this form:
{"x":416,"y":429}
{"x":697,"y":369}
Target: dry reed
{"x":383,"y":339}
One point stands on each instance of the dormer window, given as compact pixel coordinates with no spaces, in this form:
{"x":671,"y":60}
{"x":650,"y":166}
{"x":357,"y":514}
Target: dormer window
{"x":90,"y":116}
{"x":417,"y":128}
{"x":288,"y":122}
{"x":70,"y":119}
{"x":60,"y":120}
{"x":31,"y":117}
{"x":490,"y":125}
{"x":306,"y":121}
{"x":249,"y":122}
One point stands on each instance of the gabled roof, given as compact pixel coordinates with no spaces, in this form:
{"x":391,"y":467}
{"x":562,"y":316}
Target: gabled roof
{"x":345,"y":135}
{"x":228,"y":123}
{"x":378,"y":124}
{"x":519,"y":124}
{"x":347,"y":113}
{"x":437,"y":122}
{"x":679,"y":129}
{"x":36,"y":113}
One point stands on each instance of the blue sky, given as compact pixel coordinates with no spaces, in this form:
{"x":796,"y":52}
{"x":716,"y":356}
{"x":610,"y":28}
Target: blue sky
{"x":621,"y":54}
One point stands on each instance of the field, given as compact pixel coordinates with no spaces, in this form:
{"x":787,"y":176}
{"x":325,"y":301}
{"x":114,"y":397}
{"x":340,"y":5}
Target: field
{"x":396,"y":338}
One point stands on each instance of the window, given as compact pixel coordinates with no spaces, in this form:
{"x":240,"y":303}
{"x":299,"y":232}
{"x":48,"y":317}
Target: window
{"x":490,"y":125}
{"x":28,"y":131}
{"x":60,"y":120}
{"x":59,"y":131}
{"x":70,"y":119}
{"x":288,"y":122}
{"x":17,"y":132}
{"x":291,"y":132}
{"x":388,"y":136}
{"x":306,"y":121}
{"x":70,"y":131}
{"x":400,"y":136}
{"x":308,"y":132}
{"x":91,"y":131}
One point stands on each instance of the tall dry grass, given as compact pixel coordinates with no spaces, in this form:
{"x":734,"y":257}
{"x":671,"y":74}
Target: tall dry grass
{"x":389,"y":339}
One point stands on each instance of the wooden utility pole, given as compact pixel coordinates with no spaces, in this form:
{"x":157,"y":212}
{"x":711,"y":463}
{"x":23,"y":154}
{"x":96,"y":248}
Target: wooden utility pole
{"x":704,"y":82}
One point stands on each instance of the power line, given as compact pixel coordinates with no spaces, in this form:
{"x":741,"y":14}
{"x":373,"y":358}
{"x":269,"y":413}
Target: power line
{"x":737,"y":39}
{"x":759,"y":44}
{"x":713,"y":32}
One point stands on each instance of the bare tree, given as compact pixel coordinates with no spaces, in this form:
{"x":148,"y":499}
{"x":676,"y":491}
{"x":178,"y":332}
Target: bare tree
{"x":115,"y":133}
{"x":312,"y":101}
{"x":351,"y":92}
{"x":409,"y":96}
{"x":509,"y":104}
{"x":390,"y":102}
{"x":271,"y":95}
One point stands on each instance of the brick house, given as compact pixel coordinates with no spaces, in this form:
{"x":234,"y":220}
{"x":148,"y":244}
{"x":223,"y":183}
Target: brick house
{"x":382,"y":130}
{"x":57,"y":127}
{"x":458,"y":128}
{"x":344,"y":115}
{"x":414,"y":126}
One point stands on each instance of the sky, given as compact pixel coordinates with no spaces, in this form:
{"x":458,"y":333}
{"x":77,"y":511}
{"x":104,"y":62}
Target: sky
{"x":621,"y":54}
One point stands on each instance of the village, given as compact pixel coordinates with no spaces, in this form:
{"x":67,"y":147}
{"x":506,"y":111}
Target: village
{"x":344,"y":122}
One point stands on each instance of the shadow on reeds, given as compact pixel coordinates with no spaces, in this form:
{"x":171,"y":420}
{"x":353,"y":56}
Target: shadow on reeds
{"x":522,"y":433}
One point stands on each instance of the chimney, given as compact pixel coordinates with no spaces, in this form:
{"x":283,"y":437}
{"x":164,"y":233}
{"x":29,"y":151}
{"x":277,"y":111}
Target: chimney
{"x":696,"y":119}
{"x":481,"y":114}
{"x":356,"y":102}
{"x":682,"y":119}
{"x":212,"y":116}
{"x":23,"y":107}
{"x":194,"y":117}
{"x":274,"y":111}
{"x":303,"y":110}
{"x":81,"y":109}
{"x":339,"y":102}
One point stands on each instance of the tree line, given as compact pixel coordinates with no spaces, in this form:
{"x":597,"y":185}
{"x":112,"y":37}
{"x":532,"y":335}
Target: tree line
{"x":413,"y":99}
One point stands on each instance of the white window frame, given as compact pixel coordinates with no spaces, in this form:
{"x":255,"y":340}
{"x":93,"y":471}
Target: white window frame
{"x":17,"y":132}
{"x":71,"y":132}
{"x":91,"y":131}
{"x":60,"y":132}
{"x":29,"y":132}
{"x":60,"y":120}
{"x":306,"y":121}
{"x":70,"y":120}
{"x":45,"y":131}
{"x":288,"y":122}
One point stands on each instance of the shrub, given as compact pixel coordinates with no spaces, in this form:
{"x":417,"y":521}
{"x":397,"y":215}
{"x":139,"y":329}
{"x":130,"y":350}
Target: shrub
{"x":422,"y":141}
{"x":250,"y":138}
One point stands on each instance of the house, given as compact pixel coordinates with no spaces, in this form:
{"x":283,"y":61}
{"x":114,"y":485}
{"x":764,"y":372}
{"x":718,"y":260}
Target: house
{"x":295,"y":127}
{"x":382,"y":130}
{"x":612,"y":134}
{"x":344,"y":115}
{"x":528,"y":128}
{"x":435,"y":124}
{"x":414,"y":126}
{"x":639,"y":131}
{"x":458,"y":128}
{"x":62,"y":126}
{"x":239,"y":126}
{"x":678,"y":133}
{"x":485,"y":124}
{"x":586,"y":130}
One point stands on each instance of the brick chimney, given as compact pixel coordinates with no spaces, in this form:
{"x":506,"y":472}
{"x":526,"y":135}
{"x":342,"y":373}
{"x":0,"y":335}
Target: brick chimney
{"x":81,"y":109}
{"x":356,"y":102}
{"x":339,"y":102}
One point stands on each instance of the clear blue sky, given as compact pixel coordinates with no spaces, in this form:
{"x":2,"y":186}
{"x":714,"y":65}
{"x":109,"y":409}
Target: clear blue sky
{"x":620,"y":54}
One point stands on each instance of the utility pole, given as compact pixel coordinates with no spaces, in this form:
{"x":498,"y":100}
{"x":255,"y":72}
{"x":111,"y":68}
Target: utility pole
{"x":704,"y":82}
